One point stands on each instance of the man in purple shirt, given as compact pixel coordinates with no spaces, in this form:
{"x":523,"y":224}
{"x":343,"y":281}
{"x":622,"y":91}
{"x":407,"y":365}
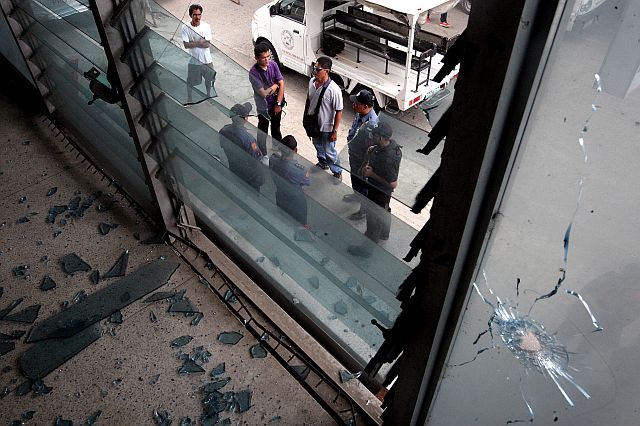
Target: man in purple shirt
{"x":268,"y":92}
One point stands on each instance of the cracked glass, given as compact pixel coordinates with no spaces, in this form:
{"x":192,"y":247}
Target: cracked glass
{"x":550,"y":329}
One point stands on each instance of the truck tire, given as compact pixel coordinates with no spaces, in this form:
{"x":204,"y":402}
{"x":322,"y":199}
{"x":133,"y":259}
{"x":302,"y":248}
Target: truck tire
{"x":465,"y":5}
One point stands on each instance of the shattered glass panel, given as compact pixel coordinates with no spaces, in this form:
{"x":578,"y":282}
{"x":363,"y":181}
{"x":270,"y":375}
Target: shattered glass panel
{"x":550,"y":330}
{"x":230,"y":337}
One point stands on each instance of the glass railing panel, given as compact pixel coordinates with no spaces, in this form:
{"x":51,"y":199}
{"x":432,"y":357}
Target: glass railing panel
{"x":415,"y":168}
{"x":67,"y":15}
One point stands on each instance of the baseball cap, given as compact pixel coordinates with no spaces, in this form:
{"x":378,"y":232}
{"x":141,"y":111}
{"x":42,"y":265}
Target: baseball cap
{"x":364,"y":97}
{"x":241,"y":110}
{"x":383,"y":129}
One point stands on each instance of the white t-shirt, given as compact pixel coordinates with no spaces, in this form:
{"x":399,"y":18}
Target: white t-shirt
{"x":331,"y":103}
{"x":199,"y":55}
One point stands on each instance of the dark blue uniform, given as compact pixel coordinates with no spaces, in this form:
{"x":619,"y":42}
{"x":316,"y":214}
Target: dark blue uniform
{"x":385,"y":163}
{"x":243,"y":154}
{"x":290,"y":177}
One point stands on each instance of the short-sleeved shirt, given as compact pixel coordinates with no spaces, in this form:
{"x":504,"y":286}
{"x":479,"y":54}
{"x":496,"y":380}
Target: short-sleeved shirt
{"x":262,"y":79}
{"x":360,"y":138}
{"x":331,"y":103}
{"x":290,"y":170}
{"x":199,"y":55}
{"x":238,"y":139}
{"x":385,"y":162}
{"x":371,"y":117}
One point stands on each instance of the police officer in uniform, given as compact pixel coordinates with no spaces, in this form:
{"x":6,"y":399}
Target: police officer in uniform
{"x":380,"y":168}
{"x":241,"y":148}
{"x":292,"y":176}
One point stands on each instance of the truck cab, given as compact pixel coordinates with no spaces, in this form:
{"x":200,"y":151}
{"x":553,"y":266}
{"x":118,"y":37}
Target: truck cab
{"x":374,"y":44}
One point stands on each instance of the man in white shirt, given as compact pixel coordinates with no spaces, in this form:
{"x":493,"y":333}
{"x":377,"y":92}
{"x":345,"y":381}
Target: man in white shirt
{"x":196,"y":36}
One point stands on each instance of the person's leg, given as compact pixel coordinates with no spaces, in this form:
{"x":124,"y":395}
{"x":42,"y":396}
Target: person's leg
{"x":332,"y":156}
{"x":385,"y":223}
{"x":193,"y":79}
{"x":443,"y":17}
{"x":275,"y":125}
{"x":263,"y":127}
{"x":209,"y":75}
{"x":319,"y":144}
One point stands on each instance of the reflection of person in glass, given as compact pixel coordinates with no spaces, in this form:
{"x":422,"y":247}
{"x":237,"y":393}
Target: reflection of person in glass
{"x":380,"y":168}
{"x":196,"y":37}
{"x":268,"y":92}
{"x":293,"y":176}
{"x":241,"y":148}
{"x":358,"y":142}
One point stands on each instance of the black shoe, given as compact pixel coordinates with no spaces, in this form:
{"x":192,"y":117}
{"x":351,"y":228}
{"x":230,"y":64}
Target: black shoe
{"x":338,"y":177}
{"x":322,"y":166}
{"x":359,"y":251}
{"x":359,"y":215}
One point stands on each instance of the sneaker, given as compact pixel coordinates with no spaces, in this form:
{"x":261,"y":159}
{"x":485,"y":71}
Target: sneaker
{"x":322,"y":166}
{"x":349,"y":198}
{"x":358,"y":251}
{"x":338,"y":177}
{"x":359,"y":215}
{"x":445,"y":24}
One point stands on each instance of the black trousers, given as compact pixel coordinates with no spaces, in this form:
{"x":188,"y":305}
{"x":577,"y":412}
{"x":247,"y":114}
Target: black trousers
{"x":378,"y":219}
{"x":263,"y":125}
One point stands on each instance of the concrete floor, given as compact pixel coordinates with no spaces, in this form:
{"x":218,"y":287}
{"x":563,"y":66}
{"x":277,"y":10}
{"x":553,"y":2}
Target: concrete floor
{"x":113,"y":374}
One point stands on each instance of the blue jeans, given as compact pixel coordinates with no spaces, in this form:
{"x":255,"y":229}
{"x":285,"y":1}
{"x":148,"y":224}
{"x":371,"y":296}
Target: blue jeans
{"x":326,"y":151}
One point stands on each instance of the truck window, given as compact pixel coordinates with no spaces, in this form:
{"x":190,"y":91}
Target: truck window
{"x":330,"y":4}
{"x":293,"y":9}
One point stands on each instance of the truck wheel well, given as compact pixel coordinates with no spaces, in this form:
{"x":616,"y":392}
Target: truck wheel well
{"x":339,"y":81}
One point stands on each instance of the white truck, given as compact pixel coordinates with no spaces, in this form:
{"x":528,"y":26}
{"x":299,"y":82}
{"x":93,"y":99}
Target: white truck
{"x":368,"y":40}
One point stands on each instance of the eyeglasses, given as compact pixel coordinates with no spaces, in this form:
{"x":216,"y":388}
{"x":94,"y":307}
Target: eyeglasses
{"x":196,"y":14}
{"x":318,"y":69}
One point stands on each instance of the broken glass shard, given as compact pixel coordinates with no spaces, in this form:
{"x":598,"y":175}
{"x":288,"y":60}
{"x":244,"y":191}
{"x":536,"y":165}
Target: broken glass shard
{"x":160,"y":295}
{"x":209,"y":419}
{"x":104,"y":302}
{"x":116,"y":318}
{"x":27,"y":415}
{"x":197,"y":318}
{"x":186,"y":421}
{"x":23,"y":219}
{"x":351,"y":282}
{"x":44,"y":357}
{"x":190,"y":366}
{"x":242,"y":400}
{"x":218,"y":370}
{"x":183,"y":305}
{"x":26,"y":142}
{"x":62,"y":422}
{"x":24,"y":388}
{"x":119,"y":268}
{"x":74,"y":204}
{"x":225,"y":422}
{"x":324,"y":261}
{"x":152,"y":317}
{"x":56,"y":233}
{"x":52,"y":191}
{"x":345,"y":376}
{"x":106,"y":206}
{"x":40,"y":388}
{"x":10,"y":308}
{"x":95,"y":276}
{"x":230,"y":297}
{"x":5,"y":391}
{"x":72,"y":263}
{"x":303,"y":235}
{"x":116,"y":382}
{"x":181,"y":341}
{"x":156,"y":239}
{"x":275,"y":261}
{"x":105,"y":228}
{"x":369,"y":299}
{"x":93,"y":419}
{"x":79,"y":296}
{"x":260,"y":259}
{"x":162,"y":418}
{"x":154,"y":379}
{"x":201,"y":354}
{"x":27,"y":315}
{"x":216,"y":385}
{"x":230,"y":337}
{"x":79,"y":212}
{"x":301,"y":371}
{"x":23,"y":199}
{"x":314,"y":281}
{"x":6,"y":346}
{"x":257,"y":351}
{"x":21,"y":271}
{"x":340,"y":307}
{"x":54,"y":212}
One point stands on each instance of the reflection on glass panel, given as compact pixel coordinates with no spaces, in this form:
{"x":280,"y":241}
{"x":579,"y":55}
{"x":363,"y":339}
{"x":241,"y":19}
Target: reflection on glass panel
{"x":559,"y":260}
{"x":65,"y":13}
{"x":415,"y":168}
{"x":64,"y":54}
